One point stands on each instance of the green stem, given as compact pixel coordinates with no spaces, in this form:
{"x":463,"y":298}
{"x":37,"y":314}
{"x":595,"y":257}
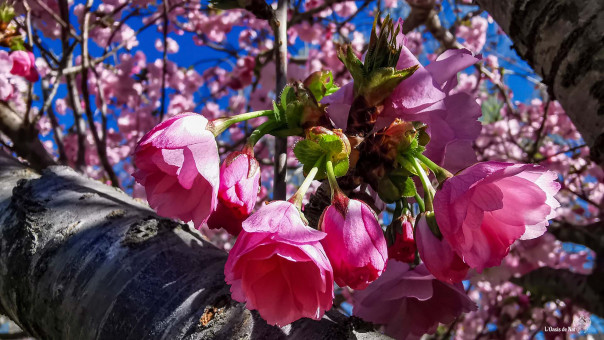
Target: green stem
{"x":331,"y":177}
{"x":420,"y":202}
{"x":260,"y":131}
{"x":296,"y":199}
{"x":442,"y":174}
{"x":423,"y":177}
{"x":218,"y":126}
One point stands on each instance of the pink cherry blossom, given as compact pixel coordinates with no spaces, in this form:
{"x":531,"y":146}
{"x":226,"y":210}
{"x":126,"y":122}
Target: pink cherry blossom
{"x":223,"y":218}
{"x":474,"y":34}
{"x":6,"y":89}
{"x":242,"y":74}
{"x":24,"y":65}
{"x":279,"y":268}
{"x":437,"y":254}
{"x":425,"y":97}
{"x":238,"y":191}
{"x":6,"y":62}
{"x":489,"y":205}
{"x":403,"y":248}
{"x":410,"y":302}
{"x":345,"y":9}
{"x":355,"y":243}
{"x":178,"y":165}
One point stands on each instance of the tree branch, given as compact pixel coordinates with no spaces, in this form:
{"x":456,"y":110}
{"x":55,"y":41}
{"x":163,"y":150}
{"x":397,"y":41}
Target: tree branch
{"x":85,"y":244}
{"x":101,"y":146}
{"x":280,"y":29}
{"x":25,"y":139}
{"x":563,"y":43}
{"x":547,"y":284}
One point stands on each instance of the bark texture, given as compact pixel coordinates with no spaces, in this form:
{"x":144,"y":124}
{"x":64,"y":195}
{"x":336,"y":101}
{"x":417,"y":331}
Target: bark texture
{"x":563,"y":41}
{"x":24,"y":137}
{"x":82,"y":260}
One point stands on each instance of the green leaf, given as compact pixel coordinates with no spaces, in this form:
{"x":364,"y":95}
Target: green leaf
{"x":330,"y":143}
{"x":320,"y":84}
{"x":352,"y":63}
{"x":340,"y":168}
{"x":382,"y":50}
{"x":17,"y":44}
{"x":387,"y":191}
{"x":279,"y":113}
{"x":407,"y":187}
{"x":308,"y":152}
{"x":491,"y":110}
{"x":287,"y":96}
{"x":7,"y":13}
{"x":406,"y":166}
{"x":382,"y":82}
{"x":293,"y":114}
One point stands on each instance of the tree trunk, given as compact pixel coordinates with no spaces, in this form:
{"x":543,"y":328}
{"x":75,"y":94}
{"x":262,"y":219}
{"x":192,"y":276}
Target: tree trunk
{"x":82,"y":260}
{"x":563,"y":41}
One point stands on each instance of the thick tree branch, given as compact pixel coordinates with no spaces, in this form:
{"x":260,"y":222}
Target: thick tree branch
{"x":591,"y":235}
{"x":82,"y":260}
{"x":564,"y":43}
{"x":547,"y":284}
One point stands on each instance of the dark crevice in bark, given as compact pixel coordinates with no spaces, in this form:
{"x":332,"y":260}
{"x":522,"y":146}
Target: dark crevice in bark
{"x":518,"y":18}
{"x":533,"y":35}
{"x":597,"y":91}
{"x":565,"y":47}
{"x":585,"y":63}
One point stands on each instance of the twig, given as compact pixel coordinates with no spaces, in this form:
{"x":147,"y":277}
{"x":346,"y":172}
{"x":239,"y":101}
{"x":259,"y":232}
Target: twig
{"x":74,"y":97}
{"x":100,"y":146}
{"x":61,"y":20}
{"x":30,"y":85}
{"x":535,"y":148}
{"x":56,"y":127}
{"x":311,"y":12}
{"x":164,"y":62}
{"x":280,"y":29}
{"x":574,"y":148}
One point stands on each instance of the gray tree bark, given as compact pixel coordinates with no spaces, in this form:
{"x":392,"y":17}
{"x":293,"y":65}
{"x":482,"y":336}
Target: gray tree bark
{"x":563,"y":40}
{"x":82,"y":260}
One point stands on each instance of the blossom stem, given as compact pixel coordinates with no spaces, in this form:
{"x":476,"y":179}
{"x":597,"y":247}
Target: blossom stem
{"x":218,"y":126}
{"x":296,"y":199}
{"x":260,"y":131}
{"x":420,"y":202}
{"x":423,"y":177}
{"x":441,"y":174}
{"x":331,"y":177}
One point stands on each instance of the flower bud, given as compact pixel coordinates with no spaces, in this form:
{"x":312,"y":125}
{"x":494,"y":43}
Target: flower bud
{"x":403,"y":245}
{"x":24,"y":65}
{"x":238,"y":191}
{"x":355,"y":243}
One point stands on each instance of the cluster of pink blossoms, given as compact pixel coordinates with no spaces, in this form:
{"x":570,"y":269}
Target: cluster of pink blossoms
{"x":132,"y":88}
{"x":19,"y":64}
{"x":285,"y":268}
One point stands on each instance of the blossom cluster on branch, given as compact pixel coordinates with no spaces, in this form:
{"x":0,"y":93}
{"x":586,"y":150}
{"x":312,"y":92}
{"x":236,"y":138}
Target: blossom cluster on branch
{"x":364,"y":133}
{"x":387,"y":142}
